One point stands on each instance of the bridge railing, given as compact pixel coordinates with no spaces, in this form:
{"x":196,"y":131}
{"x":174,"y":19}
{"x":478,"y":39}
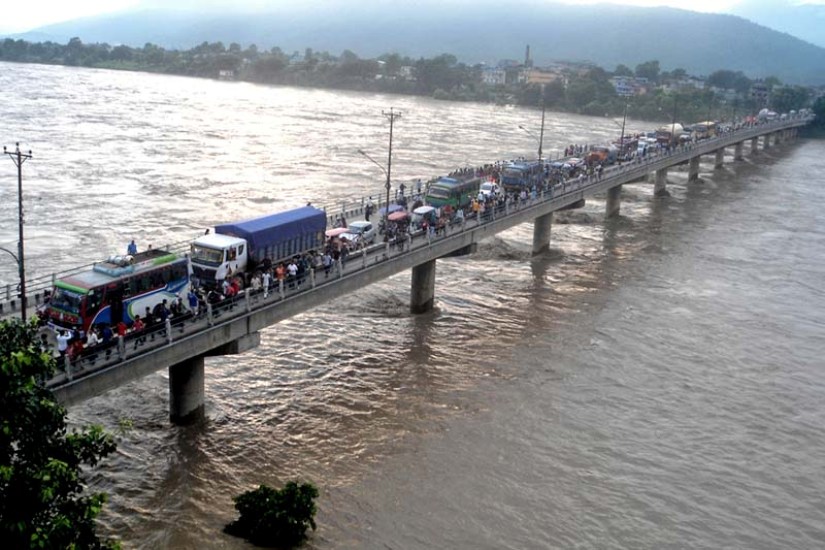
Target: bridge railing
{"x":353,"y":208}
{"x":209,"y":315}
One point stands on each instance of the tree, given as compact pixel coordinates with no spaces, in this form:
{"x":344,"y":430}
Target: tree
{"x":43,"y":502}
{"x":819,"y":111}
{"x":648,"y":70}
{"x":622,"y":70}
{"x":787,"y":98}
{"x":271,"y":517}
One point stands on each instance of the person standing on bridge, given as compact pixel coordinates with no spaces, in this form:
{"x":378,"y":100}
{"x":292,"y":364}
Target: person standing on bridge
{"x":63,"y":338}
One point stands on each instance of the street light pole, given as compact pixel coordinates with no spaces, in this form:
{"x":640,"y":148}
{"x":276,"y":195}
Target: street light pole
{"x":541,"y":135}
{"x":392,"y":115}
{"x":621,"y":139}
{"x":673,"y":125}
{"x":19,"y":158}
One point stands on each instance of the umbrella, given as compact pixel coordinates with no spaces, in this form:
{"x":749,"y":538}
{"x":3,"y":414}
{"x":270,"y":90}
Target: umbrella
{"x":335,"y":231}
{"x":393,"y":208}
{"x":397,"y":216}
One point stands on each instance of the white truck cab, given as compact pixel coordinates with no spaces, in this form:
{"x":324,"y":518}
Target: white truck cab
{"x":215,"y":256}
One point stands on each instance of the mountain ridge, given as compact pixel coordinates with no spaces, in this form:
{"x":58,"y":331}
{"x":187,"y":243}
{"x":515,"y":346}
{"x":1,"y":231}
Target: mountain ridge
{"x":605,"y":34}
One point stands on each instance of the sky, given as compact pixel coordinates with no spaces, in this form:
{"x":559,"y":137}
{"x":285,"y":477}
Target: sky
{"x":36,"y":13}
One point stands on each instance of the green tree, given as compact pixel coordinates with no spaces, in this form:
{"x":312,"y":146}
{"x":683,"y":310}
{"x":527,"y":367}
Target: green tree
{"x":819,"y":111}
{"x":622,"y":70}
{"x":271,"y":517}
{"x":43,"y":502}
{"x":787,"y":98}
{"x":648,"y":70}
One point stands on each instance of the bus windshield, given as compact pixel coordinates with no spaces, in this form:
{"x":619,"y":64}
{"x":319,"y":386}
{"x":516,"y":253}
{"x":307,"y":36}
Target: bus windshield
{"x":66,"y":300}
{"x":206,"y":255}
{"x":439,"y":192}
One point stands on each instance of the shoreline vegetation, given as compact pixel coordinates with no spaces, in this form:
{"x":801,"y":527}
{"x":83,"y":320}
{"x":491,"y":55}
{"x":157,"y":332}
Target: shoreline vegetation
{"x":570,"y":87}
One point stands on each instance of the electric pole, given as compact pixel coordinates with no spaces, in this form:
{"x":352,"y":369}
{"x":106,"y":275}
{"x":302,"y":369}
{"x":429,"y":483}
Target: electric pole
{"x":392,"y":115}
{"x":19,"y":158}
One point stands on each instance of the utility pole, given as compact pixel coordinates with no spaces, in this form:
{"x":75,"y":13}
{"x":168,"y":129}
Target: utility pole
{"x":541,"y":135}
{"x":392,"y":115}
{"x":621,"y":139}
{"x":19,"y":158}
{"x":673,"y":125}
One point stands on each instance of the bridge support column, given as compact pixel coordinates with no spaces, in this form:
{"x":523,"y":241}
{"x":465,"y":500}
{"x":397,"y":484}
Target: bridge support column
{"x":737,"y":150}
{"x":754,"y":145}
{"x":541,"y":233}
{"x":720,"y":158}
{"x":660,"y":185}
{"x":693,"y":169}
{"x":422,"y":293}
{"x":186,"y":391}
{"x":614,"y":201}
{"x":766,"y":141}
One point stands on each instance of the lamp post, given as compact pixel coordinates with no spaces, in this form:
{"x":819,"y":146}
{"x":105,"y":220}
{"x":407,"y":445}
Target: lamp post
{"x":18,"y":157}
{"x":673,"y":125}
{"x":391,"y":115}
{"x":541,"y":135}
{"x":532,"y":135}
{"x":621,"y":139}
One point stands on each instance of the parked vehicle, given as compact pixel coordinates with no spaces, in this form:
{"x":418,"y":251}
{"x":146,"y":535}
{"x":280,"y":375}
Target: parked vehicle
{"x":453,"y":191}
{"x":669,"y":134}
{"x":489,"y":188}
{"x":516,"y":176}
{"x":360,"y":233}
{"x":423,"y":214}
{"x":240,"y":246}
{"x":118,"y":289}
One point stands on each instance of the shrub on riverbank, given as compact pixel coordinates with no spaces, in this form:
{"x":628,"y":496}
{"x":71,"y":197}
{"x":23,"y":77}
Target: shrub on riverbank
{"x":275,"y":518}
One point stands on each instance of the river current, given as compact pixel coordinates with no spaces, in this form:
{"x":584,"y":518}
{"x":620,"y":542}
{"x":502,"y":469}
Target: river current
{"x":654,"y":381}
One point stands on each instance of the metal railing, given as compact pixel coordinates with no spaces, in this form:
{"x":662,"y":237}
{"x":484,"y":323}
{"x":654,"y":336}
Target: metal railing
{"x":37,"y":287}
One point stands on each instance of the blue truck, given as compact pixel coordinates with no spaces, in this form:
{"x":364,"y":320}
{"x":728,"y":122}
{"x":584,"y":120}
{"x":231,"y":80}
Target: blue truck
{"x":239,"y":247}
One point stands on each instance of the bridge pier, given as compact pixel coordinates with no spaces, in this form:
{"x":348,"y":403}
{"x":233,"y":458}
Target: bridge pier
{"x":754,"y":145}
{"x":719,"y":161}
{"x":766,"y":141}
{"x":660,"y":184}
{"x":541,"y":233}
{"x":186,"y":391}
{"x":693,"y":169}
{"x":737,"y":150}
{"x":614,"y":201}
{"x":422,"y":291}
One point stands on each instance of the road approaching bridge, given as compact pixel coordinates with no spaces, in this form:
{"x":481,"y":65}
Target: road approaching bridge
{"x":234,"y":325}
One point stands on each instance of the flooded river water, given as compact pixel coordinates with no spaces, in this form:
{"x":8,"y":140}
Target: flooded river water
{"x":654,"y":381}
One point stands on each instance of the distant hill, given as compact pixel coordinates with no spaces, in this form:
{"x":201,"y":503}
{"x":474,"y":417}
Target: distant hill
{"x":607,"y":35}
{"x":805,"y":21}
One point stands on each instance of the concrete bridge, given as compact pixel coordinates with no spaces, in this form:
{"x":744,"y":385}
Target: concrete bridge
{"x":232,"y":327}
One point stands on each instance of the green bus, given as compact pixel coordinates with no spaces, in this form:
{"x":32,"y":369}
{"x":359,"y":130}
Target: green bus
{"x":452,"y":191}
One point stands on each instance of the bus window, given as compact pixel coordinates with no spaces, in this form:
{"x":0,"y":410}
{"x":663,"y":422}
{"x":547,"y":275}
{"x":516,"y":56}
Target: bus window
{"x":240,"y":250}
{"x":93,"y":301}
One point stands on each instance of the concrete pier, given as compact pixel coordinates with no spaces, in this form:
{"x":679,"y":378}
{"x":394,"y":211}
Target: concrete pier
{"x":754,"y":145}
{"x":186,"y":391}
{"x":660,"y":184}
{"x":422,"y":291}
{"x":541,"y":233}
{"x":766,"y":141}
{"x":614,"y":201}
{"x":693,"y":169}
{"x":719,"y":160}
{"x":737,"y":150}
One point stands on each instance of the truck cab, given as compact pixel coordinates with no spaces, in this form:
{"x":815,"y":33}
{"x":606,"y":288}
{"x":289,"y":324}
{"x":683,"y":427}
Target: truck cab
{"x":215,"y":256}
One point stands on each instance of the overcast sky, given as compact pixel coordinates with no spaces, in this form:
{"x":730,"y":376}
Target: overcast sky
{"x":36,"y":13}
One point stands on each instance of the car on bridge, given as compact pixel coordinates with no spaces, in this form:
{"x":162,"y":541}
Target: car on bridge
{"x":360,"y":233}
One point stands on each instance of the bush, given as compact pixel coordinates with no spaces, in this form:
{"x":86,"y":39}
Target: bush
{"x":273,"y":518}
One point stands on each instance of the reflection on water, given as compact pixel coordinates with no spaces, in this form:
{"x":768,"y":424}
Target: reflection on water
{"x":651,"y":381}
